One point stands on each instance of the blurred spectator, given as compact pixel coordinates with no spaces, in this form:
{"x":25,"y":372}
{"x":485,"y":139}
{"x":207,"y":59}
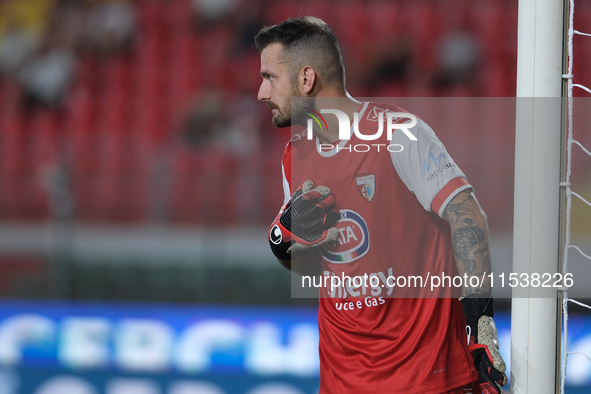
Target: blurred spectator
{"x":16,"y":46}
{"x":210,"y":12}
{"x":47,"y":76}
{"x":243,"y":134}
{"x":48,"y":73}
{"x":393,"y":65}
{"x":206,"y":121}
{"x":388,"y":61}
{"x":228,"y":125}
{"x":248,"y":19}
{"x":45,"y":69}
{"x":110,"y":25}
{"x":22,"y":24}
{"x":458,"y":56}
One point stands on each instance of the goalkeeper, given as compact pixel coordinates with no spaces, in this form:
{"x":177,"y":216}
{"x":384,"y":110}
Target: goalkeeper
{"x":395,"y":213}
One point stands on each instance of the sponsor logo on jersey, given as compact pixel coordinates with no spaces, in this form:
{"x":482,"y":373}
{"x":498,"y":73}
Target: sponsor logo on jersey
{"x":353,"y":241}
{"x":438,"y":163}
{"x":299,"y":136}
{"x":373,"y":115}
{"x":438,"y":171}
{"x":432,"y":161}
{"x":366,"y":186}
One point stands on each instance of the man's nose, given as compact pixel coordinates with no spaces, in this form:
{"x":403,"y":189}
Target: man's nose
{"x":264,"y":92}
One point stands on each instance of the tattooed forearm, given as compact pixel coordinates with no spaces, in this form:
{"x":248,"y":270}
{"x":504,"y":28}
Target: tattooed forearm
{"x":464,"y":239}
{"x":469,"y":236}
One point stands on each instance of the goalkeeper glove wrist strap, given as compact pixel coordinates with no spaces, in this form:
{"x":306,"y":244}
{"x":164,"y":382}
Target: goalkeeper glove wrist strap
{"x":474,"y":309}
{"x":279,"y":239}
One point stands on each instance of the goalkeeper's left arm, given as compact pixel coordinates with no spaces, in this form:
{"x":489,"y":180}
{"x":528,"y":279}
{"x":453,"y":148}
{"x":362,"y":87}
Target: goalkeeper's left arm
{"x":472,"y":254}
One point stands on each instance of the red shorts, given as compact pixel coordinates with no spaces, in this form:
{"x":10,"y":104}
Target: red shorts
{"x":473,"y":388}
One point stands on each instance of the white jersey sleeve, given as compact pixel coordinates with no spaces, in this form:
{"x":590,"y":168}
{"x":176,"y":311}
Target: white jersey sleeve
{"x":426,"y":168}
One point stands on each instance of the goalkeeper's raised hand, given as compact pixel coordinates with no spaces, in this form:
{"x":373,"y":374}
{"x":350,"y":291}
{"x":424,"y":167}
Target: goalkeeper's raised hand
{"x":484,"y":344}
{"x":307,"y":220}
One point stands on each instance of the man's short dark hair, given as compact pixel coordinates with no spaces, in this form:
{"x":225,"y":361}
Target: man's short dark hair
{"x":309,"y":41}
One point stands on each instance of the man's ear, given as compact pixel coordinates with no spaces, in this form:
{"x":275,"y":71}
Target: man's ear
{"x":307,"y":80}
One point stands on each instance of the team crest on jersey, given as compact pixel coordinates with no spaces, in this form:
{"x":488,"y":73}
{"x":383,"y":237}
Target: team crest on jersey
{"x":353,"y":241}
{"x":366,"y":185}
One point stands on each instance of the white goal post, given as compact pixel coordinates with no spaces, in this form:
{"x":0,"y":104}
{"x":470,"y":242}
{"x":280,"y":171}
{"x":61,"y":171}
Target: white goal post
{"x":536,"y":229}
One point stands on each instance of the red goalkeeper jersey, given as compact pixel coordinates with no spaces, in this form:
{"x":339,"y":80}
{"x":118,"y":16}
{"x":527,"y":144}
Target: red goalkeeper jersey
{"x":377,"y":335}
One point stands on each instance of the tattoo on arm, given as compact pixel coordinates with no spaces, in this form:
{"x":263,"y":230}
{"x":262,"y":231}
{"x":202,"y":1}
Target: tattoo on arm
{"x":469,"y":240}
{"x":464,"y":239}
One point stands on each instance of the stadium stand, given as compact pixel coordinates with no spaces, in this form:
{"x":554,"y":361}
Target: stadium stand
{"x":116,"y":144}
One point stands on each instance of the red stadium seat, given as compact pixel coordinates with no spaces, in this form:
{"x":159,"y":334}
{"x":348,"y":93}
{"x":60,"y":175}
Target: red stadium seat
{"x":11,"y":145}
{"x":281,"y":10}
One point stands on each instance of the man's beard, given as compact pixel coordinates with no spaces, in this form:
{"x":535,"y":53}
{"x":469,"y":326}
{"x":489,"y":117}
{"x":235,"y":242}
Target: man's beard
{"x":285,"y":117}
